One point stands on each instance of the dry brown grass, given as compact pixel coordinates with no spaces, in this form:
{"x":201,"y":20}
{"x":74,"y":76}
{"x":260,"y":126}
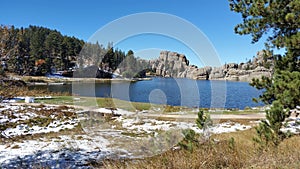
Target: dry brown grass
{"x":225,"y":153}
{"x":13,"y":88}
{"x":14,"y":91}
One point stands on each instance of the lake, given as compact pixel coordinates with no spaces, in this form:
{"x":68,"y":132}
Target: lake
{"x":171,"y":91}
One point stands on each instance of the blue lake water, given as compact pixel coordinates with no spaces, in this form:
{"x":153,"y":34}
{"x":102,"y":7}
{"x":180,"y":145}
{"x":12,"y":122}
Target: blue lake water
{"x":171,"y":91}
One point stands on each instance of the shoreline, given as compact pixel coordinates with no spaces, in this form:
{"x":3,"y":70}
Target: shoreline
{"x":172,"y":115}
{"x":68,"y":99}
{"x":44,"y":80}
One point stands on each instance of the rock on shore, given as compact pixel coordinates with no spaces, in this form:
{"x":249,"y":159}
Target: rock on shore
{"x":172,"y":64}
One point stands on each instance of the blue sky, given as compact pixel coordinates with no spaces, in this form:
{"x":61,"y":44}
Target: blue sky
{"x":83,"y":18}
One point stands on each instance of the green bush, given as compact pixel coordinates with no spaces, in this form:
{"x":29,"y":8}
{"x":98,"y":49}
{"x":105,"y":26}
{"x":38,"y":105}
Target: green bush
{"x":190,"y":140}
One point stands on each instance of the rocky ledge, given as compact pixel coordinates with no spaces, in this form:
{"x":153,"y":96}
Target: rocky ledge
{"x":172,"y":64}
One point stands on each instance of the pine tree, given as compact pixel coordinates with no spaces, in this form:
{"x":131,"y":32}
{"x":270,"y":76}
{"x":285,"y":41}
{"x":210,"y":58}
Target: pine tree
{"x":281,"y":21}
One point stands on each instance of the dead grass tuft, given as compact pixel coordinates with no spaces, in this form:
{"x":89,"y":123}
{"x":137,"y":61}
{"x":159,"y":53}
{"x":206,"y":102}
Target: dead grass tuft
{"x":232,"y":150}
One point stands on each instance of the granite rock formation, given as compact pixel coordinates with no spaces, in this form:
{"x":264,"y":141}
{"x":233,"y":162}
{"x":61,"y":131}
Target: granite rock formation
{"x":172,"y":64}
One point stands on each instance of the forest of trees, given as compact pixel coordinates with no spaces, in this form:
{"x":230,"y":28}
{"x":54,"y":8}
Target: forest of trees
{"x":37,"y":51}
{"x":110,"y":60}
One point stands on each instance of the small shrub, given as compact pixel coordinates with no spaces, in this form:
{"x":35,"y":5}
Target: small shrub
{"x":268,"y":131}
{"x":231,"y":143}
{"x":190,"y":140}
{"x":203,"y":121}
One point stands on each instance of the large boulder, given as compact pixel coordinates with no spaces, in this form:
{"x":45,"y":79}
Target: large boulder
{"x":217,"y":73}
{"x":173,"y":64}
{"x":170,"y":64}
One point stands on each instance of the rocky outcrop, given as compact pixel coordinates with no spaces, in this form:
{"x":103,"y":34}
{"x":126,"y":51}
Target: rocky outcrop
{"x":172,"y":64}
{"x":261,"y":65}
{"x":169,"y":64}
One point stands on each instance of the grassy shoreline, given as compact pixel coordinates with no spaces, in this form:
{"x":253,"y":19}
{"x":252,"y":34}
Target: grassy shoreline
{"x":33,"y":80}
{"x":129,"y":105}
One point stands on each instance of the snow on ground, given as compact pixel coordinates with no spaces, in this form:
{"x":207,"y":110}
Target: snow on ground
{"x":80,"y":150}
{"x":34,"y":120}
{"x":58,"y":151}
{"x":152,"y":125}
{"x":115,"y":111}
{"x":24,"y":129}
{"x":61,"y":152}
{"x":292,"y":125}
